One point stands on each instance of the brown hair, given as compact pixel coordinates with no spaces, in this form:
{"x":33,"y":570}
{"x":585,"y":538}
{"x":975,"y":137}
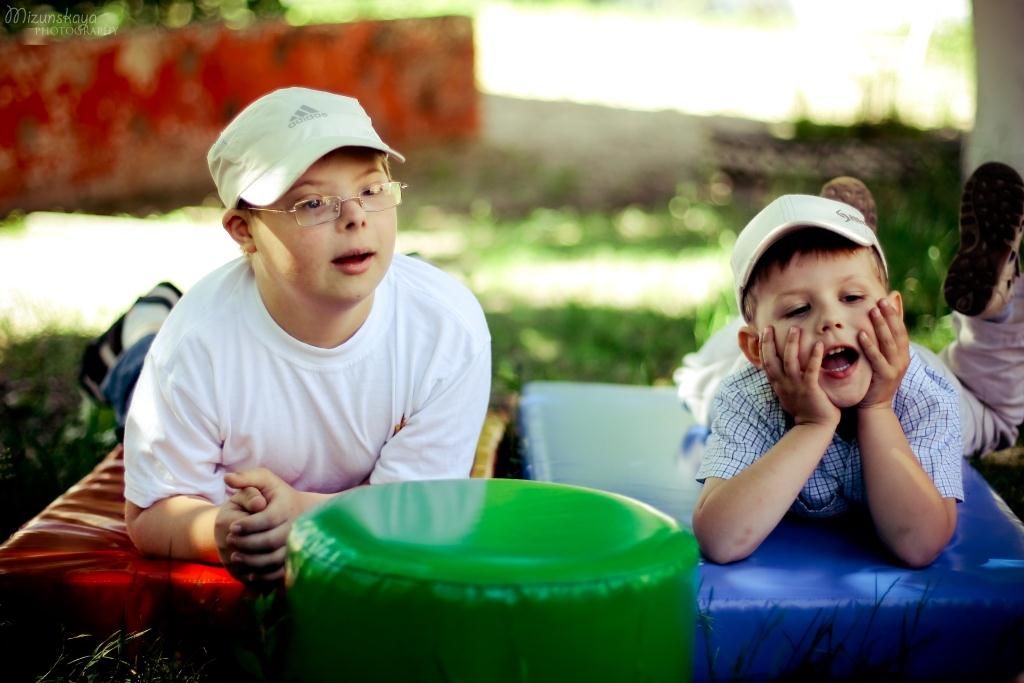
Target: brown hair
{"x":810,"y":240}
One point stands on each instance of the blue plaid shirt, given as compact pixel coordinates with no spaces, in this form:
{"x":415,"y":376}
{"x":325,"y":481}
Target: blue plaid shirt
{"x":747,"y":420}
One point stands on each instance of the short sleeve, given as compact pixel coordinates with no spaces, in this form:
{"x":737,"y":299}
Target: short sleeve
{"x":743,"y":428}
{"x":930,"y":415}
{"x":439,"y":440}
{"x":171,"y":441}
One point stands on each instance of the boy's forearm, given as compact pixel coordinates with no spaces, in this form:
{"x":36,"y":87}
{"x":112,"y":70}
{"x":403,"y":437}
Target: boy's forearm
{"x":732,"y":520}
{"x":310,"y":499}
{"x":911,"y":516}
{"x":179,"y":527}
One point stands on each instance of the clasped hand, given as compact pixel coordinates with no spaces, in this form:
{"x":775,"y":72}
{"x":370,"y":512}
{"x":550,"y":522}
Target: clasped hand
{"x":252,"y":527}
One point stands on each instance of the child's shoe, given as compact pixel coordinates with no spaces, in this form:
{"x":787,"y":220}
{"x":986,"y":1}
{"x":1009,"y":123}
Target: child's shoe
{"x":144,"y":317}
{"x":980,"y":278}
{"x":852,"y":191}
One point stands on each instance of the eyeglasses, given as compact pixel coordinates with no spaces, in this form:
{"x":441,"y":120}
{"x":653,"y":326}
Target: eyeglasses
{"x":375,"y":197}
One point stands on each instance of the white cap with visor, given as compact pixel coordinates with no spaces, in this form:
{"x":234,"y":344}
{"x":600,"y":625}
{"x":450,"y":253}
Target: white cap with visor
{"x":790,"y":213}
{"x":274,"y":140}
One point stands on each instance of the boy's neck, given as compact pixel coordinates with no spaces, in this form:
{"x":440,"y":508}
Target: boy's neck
{"x":325,"y":327}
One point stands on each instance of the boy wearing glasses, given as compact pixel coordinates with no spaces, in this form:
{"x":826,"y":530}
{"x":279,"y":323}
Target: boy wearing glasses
{"x":317,"y":362}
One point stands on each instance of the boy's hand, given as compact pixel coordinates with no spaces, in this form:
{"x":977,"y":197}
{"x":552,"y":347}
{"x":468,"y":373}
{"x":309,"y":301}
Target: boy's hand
{"x":238,"y":507}
{"x":797,"y":388}
{"x":258,"y":540}
{"x":888,"y":353}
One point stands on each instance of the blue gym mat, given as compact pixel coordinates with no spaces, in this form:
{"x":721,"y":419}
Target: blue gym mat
{"x":819,"y":600}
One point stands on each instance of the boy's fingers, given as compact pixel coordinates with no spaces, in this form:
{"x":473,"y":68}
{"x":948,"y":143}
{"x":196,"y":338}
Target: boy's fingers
{"x":231,"y":508}
{"x":259,"y":477}
{"x":790,"y":354}
{"x":260,"y":561}
{"x":260,"y":542}
{"x":814,"y":362}
{"x":270,"y":517}
{"x":250,"y":499}
{"x":869,"y":349}
{"x":769,"y":354}
{"x":235,"y":480}
{"x":883,"y":335}
{"x":891,"y":334}
{"x":767,"y":344}
{"x":894,"y":321}
{"x":897,"y":327}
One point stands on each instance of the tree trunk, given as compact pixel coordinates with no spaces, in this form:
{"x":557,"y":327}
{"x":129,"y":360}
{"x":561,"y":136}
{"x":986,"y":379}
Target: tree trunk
{"x":998,"y":133}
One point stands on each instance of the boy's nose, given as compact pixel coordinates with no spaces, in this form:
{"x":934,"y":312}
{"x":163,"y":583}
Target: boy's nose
{"x":830,"y":320}
{"x":352,"y":214}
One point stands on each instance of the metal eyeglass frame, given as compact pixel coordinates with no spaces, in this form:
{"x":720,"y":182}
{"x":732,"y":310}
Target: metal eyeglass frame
{"x":338,"y":202}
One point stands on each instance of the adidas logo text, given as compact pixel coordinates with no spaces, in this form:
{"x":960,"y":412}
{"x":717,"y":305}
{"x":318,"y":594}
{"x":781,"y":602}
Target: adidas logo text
{"x":304,"y":113}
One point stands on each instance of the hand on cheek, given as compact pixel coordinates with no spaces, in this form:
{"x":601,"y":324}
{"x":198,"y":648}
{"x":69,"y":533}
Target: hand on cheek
{"x":887,"y":349}
{"x":797,"y":386}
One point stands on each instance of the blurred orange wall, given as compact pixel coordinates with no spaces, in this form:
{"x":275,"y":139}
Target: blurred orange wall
{"x":104,"y":121}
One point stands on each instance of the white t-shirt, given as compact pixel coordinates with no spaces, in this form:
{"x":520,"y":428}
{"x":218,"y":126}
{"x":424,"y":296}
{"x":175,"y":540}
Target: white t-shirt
{"x":224,"y":388}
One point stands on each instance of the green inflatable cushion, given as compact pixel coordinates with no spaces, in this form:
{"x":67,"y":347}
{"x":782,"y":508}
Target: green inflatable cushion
{"x":489,"y":580}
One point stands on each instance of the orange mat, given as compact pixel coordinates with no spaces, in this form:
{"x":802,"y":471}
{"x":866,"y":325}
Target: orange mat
{"x":75,"y":560}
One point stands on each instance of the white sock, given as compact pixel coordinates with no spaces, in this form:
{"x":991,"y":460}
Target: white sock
{"x":145,"y":318}
{"x":141,"y":320}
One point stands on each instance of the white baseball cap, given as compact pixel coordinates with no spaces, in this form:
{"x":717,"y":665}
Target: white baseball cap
{"x":790,"y":213}
{"x":273,"y":141}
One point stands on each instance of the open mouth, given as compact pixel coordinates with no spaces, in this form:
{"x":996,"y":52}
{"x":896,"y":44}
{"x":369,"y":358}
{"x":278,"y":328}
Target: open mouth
{"x":353,"y":258}
{"x":839,"y":360}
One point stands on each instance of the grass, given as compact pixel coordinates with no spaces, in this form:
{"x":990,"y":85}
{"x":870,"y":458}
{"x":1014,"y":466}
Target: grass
{"x":37,"y":649}
{"x":660,"y":290}
{"x":49,"y":439}
{"x":136,"y":657}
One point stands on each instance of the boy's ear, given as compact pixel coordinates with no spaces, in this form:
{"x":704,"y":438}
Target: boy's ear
{"x":750,"y":344}
{"x":236,"y":223}
{"x":896,"y":299}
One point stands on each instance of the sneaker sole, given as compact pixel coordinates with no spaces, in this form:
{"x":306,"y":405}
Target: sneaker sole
{"x":852,"y":191}
{"x":991,"y":214}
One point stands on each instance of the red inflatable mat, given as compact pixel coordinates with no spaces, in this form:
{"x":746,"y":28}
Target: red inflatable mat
{"x":75,"y":561}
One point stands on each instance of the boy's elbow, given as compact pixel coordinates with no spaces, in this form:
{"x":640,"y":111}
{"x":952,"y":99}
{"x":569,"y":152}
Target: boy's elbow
{"x":924,"y":552}
{"x":920,"y":551}
{"x":724,"y":555}
{"x":720,"y":546}
{"x":919,"y":557}
{"x":921,"y":548}
{"x":149,"y":528}
{"x":134,"y":521}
